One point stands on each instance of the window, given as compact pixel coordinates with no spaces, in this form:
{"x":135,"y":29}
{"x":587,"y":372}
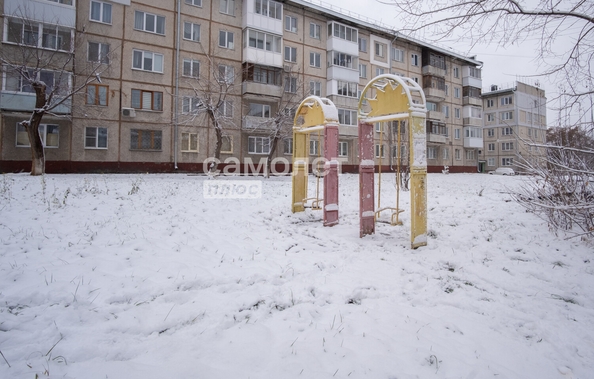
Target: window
{"x":226,"y":74}
{"x":314,"y":30}
{"x":344,"y":60}
{"x":470,"y":154}
{"x":457,"y":112}
{"x":379,"y":151}
{"x":290,"y":54}
{"x":491,"y":147}
{"x":446,"y":110}
{"x":288,"y":146}
{"x":147,"y":61}
{"x":191,"y":68}
{"x":149,"y":22}
{"x":291,"y":24}
{"x":474,"y":72}
{"x":264,"y":41}
{"x":362,"y":70}
{"x":347,"y":89}
{"x":95,"y":138}
{"x":471,"y":132}
{"x":98,"y":52}
{"x":147,"y":100}
{"x":490,"y":161}
{"x":490,"y":103}
{"x":192,"y":31}
{"x":343,"y":32}
{"x":258,"y":145}
{"x":227,"y":144}
{"x":490,"y":117}
{"x":100,"y":12}
{"x":343,"y":149}
{"x":262,"y":74}
{"x":268,"y":8}
{"x":456,"y":71}
{"x":315,"y":59}
{"x":53,"y":80}
{"x":445,"y":153}
{"x":490,"y":132}
{"x":27,"y":33}
{"x":506,"y":146}
{"x":97,"y":94}
{"x":397,"y":54}
{"x":225,"y":109}
{"x":457,"y":133}
{"x":50,"y":135}
{"x":507,"y":161}
{"x":347,"y":117}
{"x":66,"y":2}
{"x":259,"y":110}
{"x":457,"y":92}
{"x":507,"y":131}
{"x":457,"y":154}
{"x":507,"y":115}
{"x":191,"y":104}
{"x":414,"y":59}
{"x":471,"y":92}
{"x":226,"y":39}
{"x":431,"y":152}
{"x":145,"y":139}
{"x":379,"y":49}
{"x":313,"y":147}
{"x":290,"y":84}
{"x":197,"y":3}
{"x":379,"y":71}
{"x":507,"y":100}
{"x":363,"y":45}
{"x":189,"y":142}
{"x":431,"y":106}
{"x":315,"y":88}
{"x":226,"y":7}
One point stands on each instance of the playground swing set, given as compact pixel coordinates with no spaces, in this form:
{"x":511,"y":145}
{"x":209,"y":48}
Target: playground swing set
{"x":386,"y":98}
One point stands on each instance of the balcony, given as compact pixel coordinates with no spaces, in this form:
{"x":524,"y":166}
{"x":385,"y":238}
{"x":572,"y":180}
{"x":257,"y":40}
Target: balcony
{"x":253,"y":123}
{"x":469,"y":100}
{"x":435,"y":115}
{"x":342,"y":73}
{"x":433,"y":70}
{"x":256,"y":88}
{"x":348,"y":130}
{"x":472,"y":121}
{"x":25,"y":102}
{"x":434,"y":94}
{"x":436,"y":138}
{"x":472,"y":82}
{"x":473,"y":137}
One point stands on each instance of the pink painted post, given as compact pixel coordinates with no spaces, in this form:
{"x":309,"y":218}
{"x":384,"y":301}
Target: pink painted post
{"x":366,"y":180}
{"x":331,"y":175}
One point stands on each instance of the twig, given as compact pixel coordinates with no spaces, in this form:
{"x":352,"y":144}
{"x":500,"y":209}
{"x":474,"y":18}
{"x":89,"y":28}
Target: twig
{"x":169,"y":312}
{"x":4,"y":358}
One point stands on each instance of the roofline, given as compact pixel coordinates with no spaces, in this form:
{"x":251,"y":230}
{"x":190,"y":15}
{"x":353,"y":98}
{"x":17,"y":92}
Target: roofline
{"x":376,"y":25}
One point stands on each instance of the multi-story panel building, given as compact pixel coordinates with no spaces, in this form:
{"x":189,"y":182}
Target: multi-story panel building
{"x":161,"y":64}
{"x":514,"y":125}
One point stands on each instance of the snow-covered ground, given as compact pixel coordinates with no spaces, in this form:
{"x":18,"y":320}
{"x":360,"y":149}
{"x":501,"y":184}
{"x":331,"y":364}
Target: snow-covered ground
{"x":140,"y":276}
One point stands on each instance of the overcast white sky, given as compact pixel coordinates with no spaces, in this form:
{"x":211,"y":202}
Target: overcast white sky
{"x":501,"y":66}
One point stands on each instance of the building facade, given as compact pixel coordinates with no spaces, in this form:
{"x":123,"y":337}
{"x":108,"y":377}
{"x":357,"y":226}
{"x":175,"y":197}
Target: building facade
{"x":515,"y":124}
{"x":160,"y":60}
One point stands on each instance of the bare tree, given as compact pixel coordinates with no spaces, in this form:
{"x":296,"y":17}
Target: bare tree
{"x":280,"y":125}
{"x":506,"y":22}
{"x":561,"y":187}
{"x":44,"y":64}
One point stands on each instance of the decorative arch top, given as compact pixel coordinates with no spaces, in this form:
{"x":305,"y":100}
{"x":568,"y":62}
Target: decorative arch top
{"x":314,"y":112}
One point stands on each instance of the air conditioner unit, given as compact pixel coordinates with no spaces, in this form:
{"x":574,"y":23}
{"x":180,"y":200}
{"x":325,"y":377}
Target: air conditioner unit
{"x":129,"y":112}
{"x":288,"y":68}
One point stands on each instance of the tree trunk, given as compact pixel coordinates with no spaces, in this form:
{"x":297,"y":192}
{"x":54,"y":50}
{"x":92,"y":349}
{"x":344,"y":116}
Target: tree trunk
{"x":273,"y":143}
{"x":37,"y":151}
{"x":214,"y":166}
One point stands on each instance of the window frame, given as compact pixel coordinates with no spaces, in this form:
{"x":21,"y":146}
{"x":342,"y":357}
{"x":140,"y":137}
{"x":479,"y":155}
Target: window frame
{"x":97,"y":96}
{"x":343,"y":149}
{"x":192,"y":3}
{"x":102,"y":11}
{"x":43,"y":132}
{"x":102,"y":56}
{"x":290,"y":23}
{"x":290,"y":54}
{"x":315,"y":30}
{"x":315,"y":88}
{"x":187,"y":148}
{"x":227,"y":7}
{"x":159,"y":23}
{"x":192,"y":65}
{"x":258,"y":145}
{"x":154,"y":136}
{"x":193,"y":35}
{"x":156,"y":104}
{"x":228,"y":43}
{"x":143,"y":60}
{"x":316,"y":59}
{"x":96,"y":138}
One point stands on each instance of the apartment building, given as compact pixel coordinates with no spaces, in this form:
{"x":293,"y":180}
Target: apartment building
{"x":514,"y":124}
{"x":159,"y":59}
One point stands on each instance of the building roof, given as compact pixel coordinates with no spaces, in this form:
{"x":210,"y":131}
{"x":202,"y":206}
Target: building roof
{"x":369,"y":23}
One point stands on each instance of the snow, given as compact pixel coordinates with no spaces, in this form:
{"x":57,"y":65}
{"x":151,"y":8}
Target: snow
{"x":140,"y":276}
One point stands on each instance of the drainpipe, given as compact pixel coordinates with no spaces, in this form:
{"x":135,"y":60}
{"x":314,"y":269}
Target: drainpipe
{"x":176,"y":92}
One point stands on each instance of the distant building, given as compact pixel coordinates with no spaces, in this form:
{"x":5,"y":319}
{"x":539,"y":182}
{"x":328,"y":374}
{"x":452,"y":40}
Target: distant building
{"x":131,"y":121}
{"x":514,"y":122}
